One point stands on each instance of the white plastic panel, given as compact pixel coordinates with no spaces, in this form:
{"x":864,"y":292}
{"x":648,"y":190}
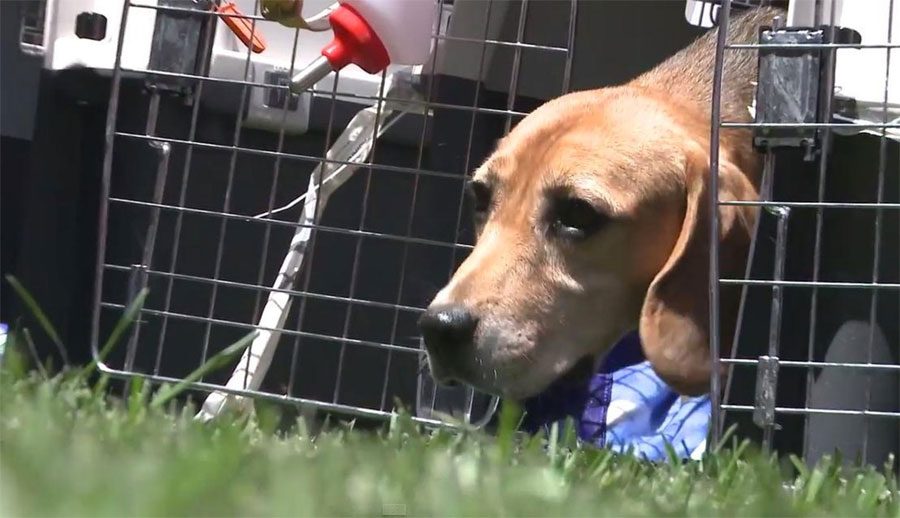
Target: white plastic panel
{"x":861,"y":73}
{"x":63,"y":49}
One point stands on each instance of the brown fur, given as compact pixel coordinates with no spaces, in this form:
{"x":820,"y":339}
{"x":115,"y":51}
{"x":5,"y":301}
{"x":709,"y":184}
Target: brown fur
{"x":691,"y":68}
{"x":639,"y":154}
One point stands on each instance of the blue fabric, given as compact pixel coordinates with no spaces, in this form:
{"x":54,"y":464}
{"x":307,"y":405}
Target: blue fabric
{"x":646,"y":413}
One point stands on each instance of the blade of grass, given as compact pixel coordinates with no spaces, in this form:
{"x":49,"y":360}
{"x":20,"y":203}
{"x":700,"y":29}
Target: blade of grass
{"x":802,"y":470}
{"x":38,"y":315}
{"x":137,"y":397}
{"x":510,"y":415}
{"x":99,"y":388}
{"x":26,"y":335}
{"x":570,"y":434}
{"x":553,"y":443}
{"x":727,"y":476}
{"x":671,"y":454}
{"x":601,"y":464}
{"x":816,"y":481}
{"x":122,"y":325}
{"x":723,"y":441}
{"x":217,"y":361}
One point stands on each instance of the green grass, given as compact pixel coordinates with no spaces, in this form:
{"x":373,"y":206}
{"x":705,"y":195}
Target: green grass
{"x":68,"y":448}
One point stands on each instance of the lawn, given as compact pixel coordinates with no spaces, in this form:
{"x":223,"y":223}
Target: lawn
{"x":68,"y":447}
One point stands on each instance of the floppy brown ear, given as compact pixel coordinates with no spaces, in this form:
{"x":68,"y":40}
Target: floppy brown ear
{"x":674,"y":323}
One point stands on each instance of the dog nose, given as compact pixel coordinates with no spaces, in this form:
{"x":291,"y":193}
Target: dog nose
{"x":447,"y":326}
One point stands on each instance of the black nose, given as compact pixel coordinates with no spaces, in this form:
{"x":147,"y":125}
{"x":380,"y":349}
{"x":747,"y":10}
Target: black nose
{"x":446,"y":328}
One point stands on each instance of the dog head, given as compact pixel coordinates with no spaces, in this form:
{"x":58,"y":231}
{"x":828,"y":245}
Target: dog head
{"x":592,"y":220}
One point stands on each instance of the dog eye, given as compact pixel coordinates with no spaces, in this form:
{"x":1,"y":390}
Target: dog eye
{"x":574,"y":218}
{"x":481,"y":196}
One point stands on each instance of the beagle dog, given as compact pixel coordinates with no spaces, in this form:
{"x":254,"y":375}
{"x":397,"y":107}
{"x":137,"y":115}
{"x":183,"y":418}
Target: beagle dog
{"x":592,"y":220}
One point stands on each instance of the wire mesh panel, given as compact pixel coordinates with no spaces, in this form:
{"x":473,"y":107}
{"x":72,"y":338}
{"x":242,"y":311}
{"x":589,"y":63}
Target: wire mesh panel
{"x":216,"y":178}
{"x":210,"y":159}
{"x":815,"y":364}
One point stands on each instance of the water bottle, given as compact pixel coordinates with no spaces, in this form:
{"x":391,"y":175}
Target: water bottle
{"x":373,"y":34}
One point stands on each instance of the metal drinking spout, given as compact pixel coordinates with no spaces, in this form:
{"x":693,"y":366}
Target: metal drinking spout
{"x":312,"y":74}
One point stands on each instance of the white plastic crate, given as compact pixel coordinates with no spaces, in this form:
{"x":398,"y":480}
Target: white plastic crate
{"x":63,"y":49}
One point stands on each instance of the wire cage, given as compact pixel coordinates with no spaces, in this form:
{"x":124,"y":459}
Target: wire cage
{"x":209,"y":180}
{"x":204,"y":195}
{"x":815,"y":364}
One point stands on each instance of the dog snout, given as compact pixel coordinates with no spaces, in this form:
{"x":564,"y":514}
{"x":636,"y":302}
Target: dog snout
{"x":448,"y":326}
{"x":448,"y":331}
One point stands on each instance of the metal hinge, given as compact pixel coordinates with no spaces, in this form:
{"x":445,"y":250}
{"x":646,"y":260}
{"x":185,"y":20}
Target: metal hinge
{"x":795,"y":85}
{"x":31,"y":27}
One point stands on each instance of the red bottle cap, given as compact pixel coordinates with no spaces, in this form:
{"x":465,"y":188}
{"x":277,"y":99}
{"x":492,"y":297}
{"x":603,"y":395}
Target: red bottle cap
{"x":354,"y":42}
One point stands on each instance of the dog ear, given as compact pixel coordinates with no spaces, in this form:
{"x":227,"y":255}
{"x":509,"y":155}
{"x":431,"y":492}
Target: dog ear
{"x":674,"y":323}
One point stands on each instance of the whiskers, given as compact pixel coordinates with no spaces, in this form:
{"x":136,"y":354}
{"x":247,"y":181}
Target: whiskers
{"x":529,"y":359}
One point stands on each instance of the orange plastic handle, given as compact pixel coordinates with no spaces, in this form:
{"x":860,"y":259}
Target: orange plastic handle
{"x":242,"y":27}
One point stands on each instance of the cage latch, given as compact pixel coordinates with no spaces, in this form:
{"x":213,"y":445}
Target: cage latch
{"x":795,"y":85}
{"x":767,"y":373}
{"x":177,"y":48}
{"x":766,"y":385}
